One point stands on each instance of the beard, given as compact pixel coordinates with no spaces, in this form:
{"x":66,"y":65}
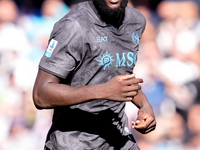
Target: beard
{"x":110,"y":15}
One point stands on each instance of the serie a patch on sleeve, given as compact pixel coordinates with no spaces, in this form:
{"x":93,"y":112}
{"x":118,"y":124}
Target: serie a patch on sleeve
{"x":51,"y":47}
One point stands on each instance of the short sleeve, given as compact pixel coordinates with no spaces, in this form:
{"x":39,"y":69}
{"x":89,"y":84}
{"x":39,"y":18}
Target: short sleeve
{"x":64,"y":51}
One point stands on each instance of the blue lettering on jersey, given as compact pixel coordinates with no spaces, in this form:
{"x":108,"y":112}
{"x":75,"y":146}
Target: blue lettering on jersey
{"x":126,"y":59}
{"x":102,"y":39}
{"x":120,"y":62}
{"x":130,"y":57}
{"x":135,"y":58}
{"x":135,"y":38}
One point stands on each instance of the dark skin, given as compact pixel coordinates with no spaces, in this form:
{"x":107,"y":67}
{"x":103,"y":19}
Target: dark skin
{"x":48,"y":92}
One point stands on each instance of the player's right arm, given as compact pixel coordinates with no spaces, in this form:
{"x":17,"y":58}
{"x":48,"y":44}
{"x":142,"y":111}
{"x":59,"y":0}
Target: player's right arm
{"x":48,"y":92}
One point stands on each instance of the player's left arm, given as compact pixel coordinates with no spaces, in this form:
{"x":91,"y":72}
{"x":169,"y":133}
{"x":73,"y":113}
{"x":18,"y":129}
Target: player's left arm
{"x":146,"y":121}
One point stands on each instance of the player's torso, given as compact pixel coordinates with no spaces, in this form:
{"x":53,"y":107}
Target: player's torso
{"x":108,"y":52}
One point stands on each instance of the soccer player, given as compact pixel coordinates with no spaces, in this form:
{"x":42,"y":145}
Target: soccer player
{"x":86,"y":76}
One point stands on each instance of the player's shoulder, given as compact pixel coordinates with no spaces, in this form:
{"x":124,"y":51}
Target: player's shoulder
{"x":135,"y":15}
{"x":75,"y":17}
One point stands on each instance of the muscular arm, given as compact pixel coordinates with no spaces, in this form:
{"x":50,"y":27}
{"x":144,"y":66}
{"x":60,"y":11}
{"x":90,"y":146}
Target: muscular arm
{"x":48,"y":92}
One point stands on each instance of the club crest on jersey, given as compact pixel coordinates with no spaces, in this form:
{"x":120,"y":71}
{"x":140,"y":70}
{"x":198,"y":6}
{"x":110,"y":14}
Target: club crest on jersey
{"x":51,"y":47}
{"x":135,"y":38}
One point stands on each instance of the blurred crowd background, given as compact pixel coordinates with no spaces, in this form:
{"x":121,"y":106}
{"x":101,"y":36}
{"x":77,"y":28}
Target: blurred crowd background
{"x":168,"y":61}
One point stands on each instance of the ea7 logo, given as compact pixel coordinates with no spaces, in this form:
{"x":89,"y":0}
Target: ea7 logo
{"x":102,"y":39}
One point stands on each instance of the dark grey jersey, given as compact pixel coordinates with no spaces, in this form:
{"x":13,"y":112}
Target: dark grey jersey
{"x":83,"y":50}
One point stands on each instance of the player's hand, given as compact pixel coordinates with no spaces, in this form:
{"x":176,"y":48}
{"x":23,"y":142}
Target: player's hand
{"x":145,"y":122}
{"x":122,"y":88}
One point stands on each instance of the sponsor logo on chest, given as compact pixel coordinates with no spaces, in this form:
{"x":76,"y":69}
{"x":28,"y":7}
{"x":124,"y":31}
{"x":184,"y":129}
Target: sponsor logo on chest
{"x":120,"y":59}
